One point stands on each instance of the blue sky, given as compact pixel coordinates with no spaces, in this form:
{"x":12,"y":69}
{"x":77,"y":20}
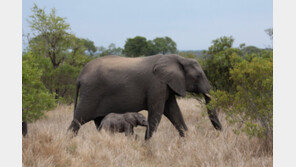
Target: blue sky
{"x":192,"y":24}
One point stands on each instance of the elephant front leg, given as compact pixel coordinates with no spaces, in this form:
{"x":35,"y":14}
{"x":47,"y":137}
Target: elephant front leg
{"x":154,"y":117}
{"x":128,"y":130}
{"x":173,"y":113}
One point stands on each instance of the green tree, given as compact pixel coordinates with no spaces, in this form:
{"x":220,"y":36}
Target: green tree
{"x":60,"y":54}
{"x":220,"y":44}
{"x":269,"y":32}
{"x":90,"y":47}
{"x":35,"y":97}
{"x":242,"y":81}
{"x":151,"y":49}
{"x":135,"y":47}
{"x":251,"y":104}
{"x":218,"y":62}
{"x":140,"y":46}
{"x":111,"y":50}
{"x":250,"y":50}
{"x":51,"y":35}
{"x":187,"y":55}
{"x":164,"y":45}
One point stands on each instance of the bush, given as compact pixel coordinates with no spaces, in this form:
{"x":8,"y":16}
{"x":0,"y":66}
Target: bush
{"x":217,"y":68}
{"x":218,"y":62}
{"x":35,"y":97}
{"x":250,"y":105}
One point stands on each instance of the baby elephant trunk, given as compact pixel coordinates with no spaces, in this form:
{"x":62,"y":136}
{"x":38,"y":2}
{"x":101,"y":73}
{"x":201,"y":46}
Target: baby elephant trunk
{"x":146,"y":123}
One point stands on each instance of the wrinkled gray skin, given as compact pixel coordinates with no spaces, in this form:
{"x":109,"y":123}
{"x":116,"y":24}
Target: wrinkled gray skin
{"x":123,"y":122}
{"x":113,"y":84}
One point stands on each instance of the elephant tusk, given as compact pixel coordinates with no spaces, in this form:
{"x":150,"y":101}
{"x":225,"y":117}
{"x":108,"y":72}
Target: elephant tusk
{"x":208,"y":95}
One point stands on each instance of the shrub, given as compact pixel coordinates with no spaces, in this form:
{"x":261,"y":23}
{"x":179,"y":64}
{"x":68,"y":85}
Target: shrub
{"x":251,"y":104}
{"x":35,"y":97}
{"x":218,"y":62}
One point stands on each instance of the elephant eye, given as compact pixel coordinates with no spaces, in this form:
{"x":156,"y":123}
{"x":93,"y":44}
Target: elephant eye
{"x":198,"y":76}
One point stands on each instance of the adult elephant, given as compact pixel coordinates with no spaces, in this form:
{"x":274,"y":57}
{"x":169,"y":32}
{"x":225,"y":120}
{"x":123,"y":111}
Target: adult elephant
{"x":114,"y":84}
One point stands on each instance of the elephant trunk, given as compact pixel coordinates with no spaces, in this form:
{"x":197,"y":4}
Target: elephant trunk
{"x":212,"y":113}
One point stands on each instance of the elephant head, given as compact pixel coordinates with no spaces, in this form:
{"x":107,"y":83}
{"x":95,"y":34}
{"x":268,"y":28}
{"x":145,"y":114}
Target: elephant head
{"x":140,"y":119}
{"x":182,"y":74}
{"x":185,"y":75}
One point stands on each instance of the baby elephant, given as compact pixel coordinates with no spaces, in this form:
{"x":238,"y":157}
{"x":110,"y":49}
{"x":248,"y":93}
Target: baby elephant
{"x":123,"y":122}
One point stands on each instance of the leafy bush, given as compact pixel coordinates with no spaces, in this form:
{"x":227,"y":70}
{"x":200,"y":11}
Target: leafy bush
{"x":35,"y":97}
{"x":242,"y":82}
{"x":217,"y":68}
{"x":251,"y":104}
{"x":218,"y":62}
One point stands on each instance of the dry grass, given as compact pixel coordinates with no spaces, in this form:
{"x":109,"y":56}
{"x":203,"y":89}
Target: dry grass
{"x":48,"y":144}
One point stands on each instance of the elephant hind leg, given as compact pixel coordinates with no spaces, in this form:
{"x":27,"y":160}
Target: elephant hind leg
{"x":74,"y":126}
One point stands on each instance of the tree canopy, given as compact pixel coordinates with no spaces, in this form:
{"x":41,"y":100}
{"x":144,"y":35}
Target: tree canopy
{"x":164,"y":45}
{"x":140,"y":46}
{"x":111,"y":50}
{"x":60,"y":53}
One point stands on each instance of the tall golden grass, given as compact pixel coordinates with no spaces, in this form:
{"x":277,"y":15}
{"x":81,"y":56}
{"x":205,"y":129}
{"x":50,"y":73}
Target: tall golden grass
{"x":49,"y":144}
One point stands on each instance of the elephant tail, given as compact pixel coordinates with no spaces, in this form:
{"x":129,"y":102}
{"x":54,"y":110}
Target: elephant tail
{"x":76,"y":95}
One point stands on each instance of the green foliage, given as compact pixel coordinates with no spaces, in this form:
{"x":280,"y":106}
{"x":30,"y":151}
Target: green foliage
{"x":135,"y":47}
{"x":59,"y":54}
{"x":242,"y":82}
{"x":218,"y":62}
{"x":187,"y":55}
{"x":164,"y":45}
{"x":269,"y":32}
{"x":250,"y":50}
{"x":140,"y":46}
{"x":35,"y":97}
{"x":51,"y":36}
{"x":250,"y":105}
{"x":220,"y":44}
{"x":111,"y":50}
{"x":90,"y":46}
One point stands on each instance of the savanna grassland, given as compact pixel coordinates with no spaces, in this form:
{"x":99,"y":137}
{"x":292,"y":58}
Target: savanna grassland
{"x":49,"y":144}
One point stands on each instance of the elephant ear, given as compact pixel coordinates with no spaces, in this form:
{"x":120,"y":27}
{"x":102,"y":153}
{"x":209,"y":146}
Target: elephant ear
{"x":131,"y":119}
{"x":171,"y":72}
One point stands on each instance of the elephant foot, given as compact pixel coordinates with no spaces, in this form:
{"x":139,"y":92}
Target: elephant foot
{"x":182,"y":134}
{"x":74,"y":127}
